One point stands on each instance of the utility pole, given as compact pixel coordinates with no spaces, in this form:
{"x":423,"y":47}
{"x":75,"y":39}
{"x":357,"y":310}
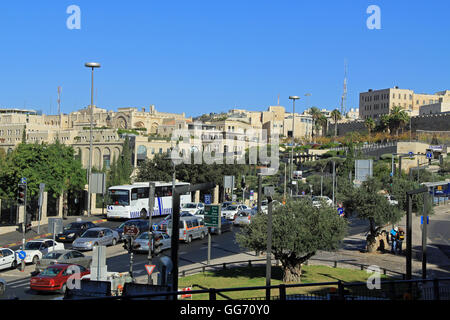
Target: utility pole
{"x":334,"y":178}
{"x":151,"y":205}
{"x":269,"y":191}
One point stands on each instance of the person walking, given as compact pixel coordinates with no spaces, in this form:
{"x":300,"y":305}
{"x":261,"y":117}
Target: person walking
{"x":394,"y":233}
{"x":400,"y":239}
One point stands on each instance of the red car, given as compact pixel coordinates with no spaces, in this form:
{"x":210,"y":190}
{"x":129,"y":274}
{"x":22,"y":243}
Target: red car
{"x":54,"y":277}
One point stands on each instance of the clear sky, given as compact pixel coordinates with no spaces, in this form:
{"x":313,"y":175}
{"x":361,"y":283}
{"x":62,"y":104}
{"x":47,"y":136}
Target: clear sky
{"x":210,"y":56}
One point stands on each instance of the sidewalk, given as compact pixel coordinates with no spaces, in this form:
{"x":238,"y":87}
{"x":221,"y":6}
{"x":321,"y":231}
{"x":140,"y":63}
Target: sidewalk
{"x":9,"y":237}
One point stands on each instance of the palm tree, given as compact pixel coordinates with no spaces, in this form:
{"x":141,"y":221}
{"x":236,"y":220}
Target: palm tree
{"x":336,"y":116}
{"x":369,"y":123}
{"x":322,"y":121}
{"x":315,"y":114}
{"x":398,"y":118}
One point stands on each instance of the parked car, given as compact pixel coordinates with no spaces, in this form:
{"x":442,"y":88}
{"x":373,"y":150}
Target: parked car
{"x":317,"y":200}
{"x":35,"y":249}
{"x":225,"y":225}
{"x":162,"y":226}
{"x":96,"y":237}
{"x":2,"y":287}
{"x":244,"y":217}
{"x":192,"y":207}
{"x":73,"y":230}
{"x":141,"y":224}
{"x":54,"y":277}
{"x":200,"y":213}
{"x":8,"y":259}
{"x":63,"y":256}
{"x":143,"y":241}
{"x":230,"y":211}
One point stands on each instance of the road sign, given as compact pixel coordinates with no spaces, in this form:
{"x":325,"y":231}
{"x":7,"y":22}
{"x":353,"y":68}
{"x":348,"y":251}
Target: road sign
{"x":23,"y":180}
{"x":429,"y":155}
{"x":212,"y":216}
{"x":207,"y":199}
{"x":411,"y":154}
{"x":340,"y":211}
{"x":21,"y":254}
{"x":149,"y":268}
{"x":421,"y":220}
{"x":132,"y":231}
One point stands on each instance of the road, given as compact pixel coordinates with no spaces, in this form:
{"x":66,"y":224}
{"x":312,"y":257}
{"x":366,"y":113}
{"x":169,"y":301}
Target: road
{"x":118,"y":260}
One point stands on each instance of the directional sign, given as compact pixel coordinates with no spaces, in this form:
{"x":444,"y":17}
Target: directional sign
{"x":132,"y":231}
{"x":421,"y":220}
{"x":21,"y":254}
{"x":149,"y":268}
{"x":340,"y":211}
{"x":429,"y":155}
{"x":212,"y":216}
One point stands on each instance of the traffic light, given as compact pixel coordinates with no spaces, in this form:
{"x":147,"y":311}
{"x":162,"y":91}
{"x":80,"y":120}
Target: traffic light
{"x":22,"y":194}
{"x":156,"y":244}
{"x":243,"y":182}
{"x":28,"y":222}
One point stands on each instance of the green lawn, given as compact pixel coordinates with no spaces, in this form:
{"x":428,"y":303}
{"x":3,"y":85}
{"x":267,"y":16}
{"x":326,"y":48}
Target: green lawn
{"x":256,"y":276}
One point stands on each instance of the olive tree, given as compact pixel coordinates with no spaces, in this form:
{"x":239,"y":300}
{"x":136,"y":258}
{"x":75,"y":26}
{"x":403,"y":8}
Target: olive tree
{"x":299,"y":230}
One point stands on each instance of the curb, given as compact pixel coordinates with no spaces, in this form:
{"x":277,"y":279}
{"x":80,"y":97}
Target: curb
{"x":19,"y":243}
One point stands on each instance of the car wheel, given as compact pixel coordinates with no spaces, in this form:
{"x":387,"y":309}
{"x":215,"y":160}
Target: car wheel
{"x":202,"y":236}
{"x":143,"y":214}
{"x":35,"y":259}
{"x":189,"y":239}
{"x":2,"y":289}
{"x":63,"y":289}
{"x":114,"y":242}
{"x":14,"y":264}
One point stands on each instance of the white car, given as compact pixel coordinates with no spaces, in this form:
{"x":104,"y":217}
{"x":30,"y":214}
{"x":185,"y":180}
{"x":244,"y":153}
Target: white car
{"x":391,"y":200}
{"x":232,"y":210}
{"x":192,"y":207}
{"x":8,"y":259}
{"x":35,"y":249}
{"x":317,"y":201}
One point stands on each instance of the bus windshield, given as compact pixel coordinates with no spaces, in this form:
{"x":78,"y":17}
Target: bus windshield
{"x":119,"y":197}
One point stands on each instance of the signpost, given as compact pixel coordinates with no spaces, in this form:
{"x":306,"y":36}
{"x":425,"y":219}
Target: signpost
{"x":149,"y":269}
{"x":212,"y":219}
{"x":132,"y":232}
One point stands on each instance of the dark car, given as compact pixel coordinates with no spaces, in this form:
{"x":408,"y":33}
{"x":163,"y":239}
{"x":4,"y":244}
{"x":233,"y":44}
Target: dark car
{"x":141,"y":224}
{"x":73,"y":230}
{"x":225,"y":225}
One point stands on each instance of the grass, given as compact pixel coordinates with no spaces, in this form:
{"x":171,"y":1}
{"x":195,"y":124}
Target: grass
{"x":256,"y":276}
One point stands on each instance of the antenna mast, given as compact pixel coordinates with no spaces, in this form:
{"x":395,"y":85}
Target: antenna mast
{"x":59,"y":106}
{"x":344,"y":94}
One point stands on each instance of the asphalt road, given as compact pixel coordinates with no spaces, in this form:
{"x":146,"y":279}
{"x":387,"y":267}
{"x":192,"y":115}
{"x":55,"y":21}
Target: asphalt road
{"x":118,"y":260}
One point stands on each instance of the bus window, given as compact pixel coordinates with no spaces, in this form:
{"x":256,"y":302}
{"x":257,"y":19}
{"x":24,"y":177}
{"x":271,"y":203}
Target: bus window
{"x":119,"y":197}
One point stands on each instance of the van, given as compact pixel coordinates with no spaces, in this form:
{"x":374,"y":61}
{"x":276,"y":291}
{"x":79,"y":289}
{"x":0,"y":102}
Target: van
{"x":190,"y":228}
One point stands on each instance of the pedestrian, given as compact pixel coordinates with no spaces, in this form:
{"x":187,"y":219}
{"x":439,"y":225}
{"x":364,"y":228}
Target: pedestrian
{"x":393,"y":234}
{"x":400,"y":239}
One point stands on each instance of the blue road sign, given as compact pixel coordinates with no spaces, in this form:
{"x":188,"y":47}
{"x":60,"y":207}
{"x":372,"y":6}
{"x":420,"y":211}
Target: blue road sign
{"x":411,"y":154}
{"x":340,"y":211}
{"x":155,"y":227}
{"x":21,"y":254}
{"x":23,"y":180}
{"x":207,"y":199}
{"x":429,"y":155}
{"x":421,"y":220}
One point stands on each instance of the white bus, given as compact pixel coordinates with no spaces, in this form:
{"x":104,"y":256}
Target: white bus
{"x":131,"y":201}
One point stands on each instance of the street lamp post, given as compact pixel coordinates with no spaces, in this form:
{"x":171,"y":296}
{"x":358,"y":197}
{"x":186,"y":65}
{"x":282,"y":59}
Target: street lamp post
{"x":293,"y":98}
{"x":91,"y":65}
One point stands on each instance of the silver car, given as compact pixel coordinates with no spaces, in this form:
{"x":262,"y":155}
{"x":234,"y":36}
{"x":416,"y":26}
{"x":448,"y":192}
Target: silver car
{"x":95,"y":237}
{"x":143,"y":241}
{"x":244,"y":217}
{"x":63,"y":256}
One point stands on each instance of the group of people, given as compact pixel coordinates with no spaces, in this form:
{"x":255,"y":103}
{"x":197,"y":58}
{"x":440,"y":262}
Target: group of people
{"x":397,"y":235}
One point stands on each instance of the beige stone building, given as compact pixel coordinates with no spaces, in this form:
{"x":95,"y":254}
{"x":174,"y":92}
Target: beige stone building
{"x":375,"y":103}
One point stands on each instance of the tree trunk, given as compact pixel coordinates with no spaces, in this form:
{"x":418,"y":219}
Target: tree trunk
{"x":292,"y":267}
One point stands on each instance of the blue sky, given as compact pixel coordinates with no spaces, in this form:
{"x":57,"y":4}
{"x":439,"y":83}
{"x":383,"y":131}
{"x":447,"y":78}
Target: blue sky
{"x":210,"y":56}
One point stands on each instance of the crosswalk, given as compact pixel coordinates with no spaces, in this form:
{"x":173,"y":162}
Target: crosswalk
{"x":18,"y":283}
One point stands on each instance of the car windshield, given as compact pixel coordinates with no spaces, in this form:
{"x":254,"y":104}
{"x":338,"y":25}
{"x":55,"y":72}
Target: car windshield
{"x":73,"y":225}
{"x":129,"y":223}
{"x":143,"y":236}
{"x":189,"y":206}
{"x":33,"y":245}
{"x":50,"y":272}
{"x":90,"y":234}
{"x":119,"y":197}
{"x":52,"y":255}
{"x":231,"y":208}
